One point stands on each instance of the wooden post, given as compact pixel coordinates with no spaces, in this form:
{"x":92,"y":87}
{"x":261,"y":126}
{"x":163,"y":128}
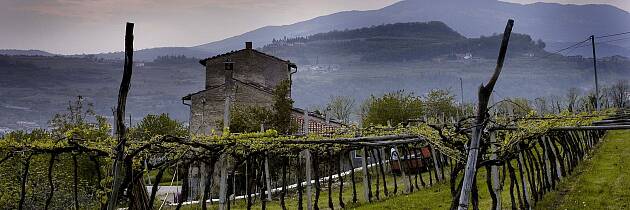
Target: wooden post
{"x":223,"y":185}
{"x":484,"y":96}
{"x":267,"y":176}
{"x":402,"y":170}
{"x":120,"y":116}
{"x":546,"y":161}
{"x":364,"y":163}
{"x":436,"y":165}
{"x":309,"y":167}
{"x":522,"y":163}
{"x":494,"y":170}
{"x":555,"y":154}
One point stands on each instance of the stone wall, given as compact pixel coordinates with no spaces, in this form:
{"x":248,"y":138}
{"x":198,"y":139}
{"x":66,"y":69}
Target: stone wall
{"x":250,"y":66}
{"x":208,"y":106}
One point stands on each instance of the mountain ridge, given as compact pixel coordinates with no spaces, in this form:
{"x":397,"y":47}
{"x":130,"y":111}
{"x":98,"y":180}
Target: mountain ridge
{"x":551,"y":22}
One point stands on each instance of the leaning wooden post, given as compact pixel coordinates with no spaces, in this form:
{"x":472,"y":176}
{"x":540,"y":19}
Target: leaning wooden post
{"x":223,"y":185}
{"x":521,"y":164}
{"x":308,"y":168}
{"x":546,"y":161}
{"x":438,"y":170}
{"x":402,"y":170}
{"x":556,"y":156}
{"x":120,"y":116}
{"x":480,"y":121}
{"x":494,"y":169}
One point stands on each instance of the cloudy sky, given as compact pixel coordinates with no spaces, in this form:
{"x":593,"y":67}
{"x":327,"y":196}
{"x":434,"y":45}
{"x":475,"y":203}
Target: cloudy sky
{"x":91,"y":26}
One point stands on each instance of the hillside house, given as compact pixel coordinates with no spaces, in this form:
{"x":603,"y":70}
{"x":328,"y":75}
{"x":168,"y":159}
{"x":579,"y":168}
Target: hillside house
{"x":245,"y":77}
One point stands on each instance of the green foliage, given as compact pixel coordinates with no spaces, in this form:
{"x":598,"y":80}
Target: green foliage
{"x":81,"y":121}
{"x":395,"y":107}
{"x":153,"y":125}
{"x":282,"y":106}
{"x":248,"y":119}
{"x":440,"y":101}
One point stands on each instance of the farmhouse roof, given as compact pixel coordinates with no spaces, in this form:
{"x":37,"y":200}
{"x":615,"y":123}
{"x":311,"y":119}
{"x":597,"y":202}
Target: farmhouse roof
{"x":204,"y":61}
{"x":254,"y":85}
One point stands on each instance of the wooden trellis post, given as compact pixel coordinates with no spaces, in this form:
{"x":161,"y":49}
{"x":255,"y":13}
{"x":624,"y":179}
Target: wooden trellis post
{"x":309,"y":167}
{"x":436,"y":164}
{"x":223,"y":188}
{"x":546,"y":161}
{"x":267,"y":176}
{"x":521,"y":164}
{"x":494,"y":170}
{"x":120,"y":114}
{"x":402,"y":171}
{"x":555,"y":154}
{"x":480,"y":121}
{"x":364,"y":163}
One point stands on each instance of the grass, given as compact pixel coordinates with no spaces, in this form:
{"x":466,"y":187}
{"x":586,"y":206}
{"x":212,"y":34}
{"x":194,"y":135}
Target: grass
{"x":599,"y":182}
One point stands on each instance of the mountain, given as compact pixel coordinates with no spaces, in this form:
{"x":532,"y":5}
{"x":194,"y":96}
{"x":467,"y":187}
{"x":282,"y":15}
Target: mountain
{"x":398,"y":42}
{"x":550,"y":22}
{"x":25,"y":52}
{"x":150,"y":54}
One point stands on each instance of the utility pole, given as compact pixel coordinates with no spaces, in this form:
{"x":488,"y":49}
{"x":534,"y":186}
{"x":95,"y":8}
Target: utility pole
{"x":595,"y":70}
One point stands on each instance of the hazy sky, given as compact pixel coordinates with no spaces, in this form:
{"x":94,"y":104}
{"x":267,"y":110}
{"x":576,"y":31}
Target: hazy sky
{"x":90,"y":26}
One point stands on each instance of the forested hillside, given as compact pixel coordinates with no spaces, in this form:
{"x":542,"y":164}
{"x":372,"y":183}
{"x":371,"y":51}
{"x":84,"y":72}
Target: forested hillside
{"x":399,"y":42}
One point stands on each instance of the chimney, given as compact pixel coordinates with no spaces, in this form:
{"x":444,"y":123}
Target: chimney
{"x":248,"y":45}
{"x":229,"y":71}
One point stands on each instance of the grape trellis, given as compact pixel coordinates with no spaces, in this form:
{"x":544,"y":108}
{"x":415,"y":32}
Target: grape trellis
{"x":534,"y":152}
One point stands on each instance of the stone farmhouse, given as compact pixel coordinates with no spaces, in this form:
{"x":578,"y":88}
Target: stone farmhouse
{"x":245,"y":77}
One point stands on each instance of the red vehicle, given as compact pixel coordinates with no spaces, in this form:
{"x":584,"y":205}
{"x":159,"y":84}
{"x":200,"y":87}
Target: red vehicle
{"x":411,"y":164}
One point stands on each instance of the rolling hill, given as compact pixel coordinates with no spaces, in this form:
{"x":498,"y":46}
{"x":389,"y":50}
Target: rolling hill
{"x":547,"y":21}
{"x":398,"y":42}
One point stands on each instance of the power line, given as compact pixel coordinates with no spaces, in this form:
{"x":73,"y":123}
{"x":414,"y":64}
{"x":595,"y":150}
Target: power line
{"x":609,"y":35}
{"x":563,"y":49}
{"x":569,"y":47}
{"x":614,"y":40}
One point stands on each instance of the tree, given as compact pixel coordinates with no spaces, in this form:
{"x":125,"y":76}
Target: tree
{"x":572,"y":99}
{"x":341,"y":107}
{"x":154,"y":125}
{"x":396,"y":107}
{"x":619,"y":93}
{"x":80,"y":120}
{"x":282,"y":107}
{"x":246,"y":119}
{"x":440,"y":101}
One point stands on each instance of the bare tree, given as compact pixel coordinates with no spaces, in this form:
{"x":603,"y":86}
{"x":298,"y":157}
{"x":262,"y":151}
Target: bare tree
{"x":556,"y":104}
{"x":619,"y":93}
{"x":572,"y":99}
{"x":541,"y":105}
{"x":341,"y":107}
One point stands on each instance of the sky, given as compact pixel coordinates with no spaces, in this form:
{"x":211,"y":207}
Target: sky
{"x":95,"y":26}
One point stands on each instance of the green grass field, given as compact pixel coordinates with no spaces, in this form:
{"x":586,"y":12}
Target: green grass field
{"x":602,"y":181}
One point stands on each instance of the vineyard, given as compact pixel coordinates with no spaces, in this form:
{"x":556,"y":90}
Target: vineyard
{"x":85,"y":167}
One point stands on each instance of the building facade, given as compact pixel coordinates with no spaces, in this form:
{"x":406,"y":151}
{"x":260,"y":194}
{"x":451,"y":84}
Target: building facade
{"x":245,"y":77}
